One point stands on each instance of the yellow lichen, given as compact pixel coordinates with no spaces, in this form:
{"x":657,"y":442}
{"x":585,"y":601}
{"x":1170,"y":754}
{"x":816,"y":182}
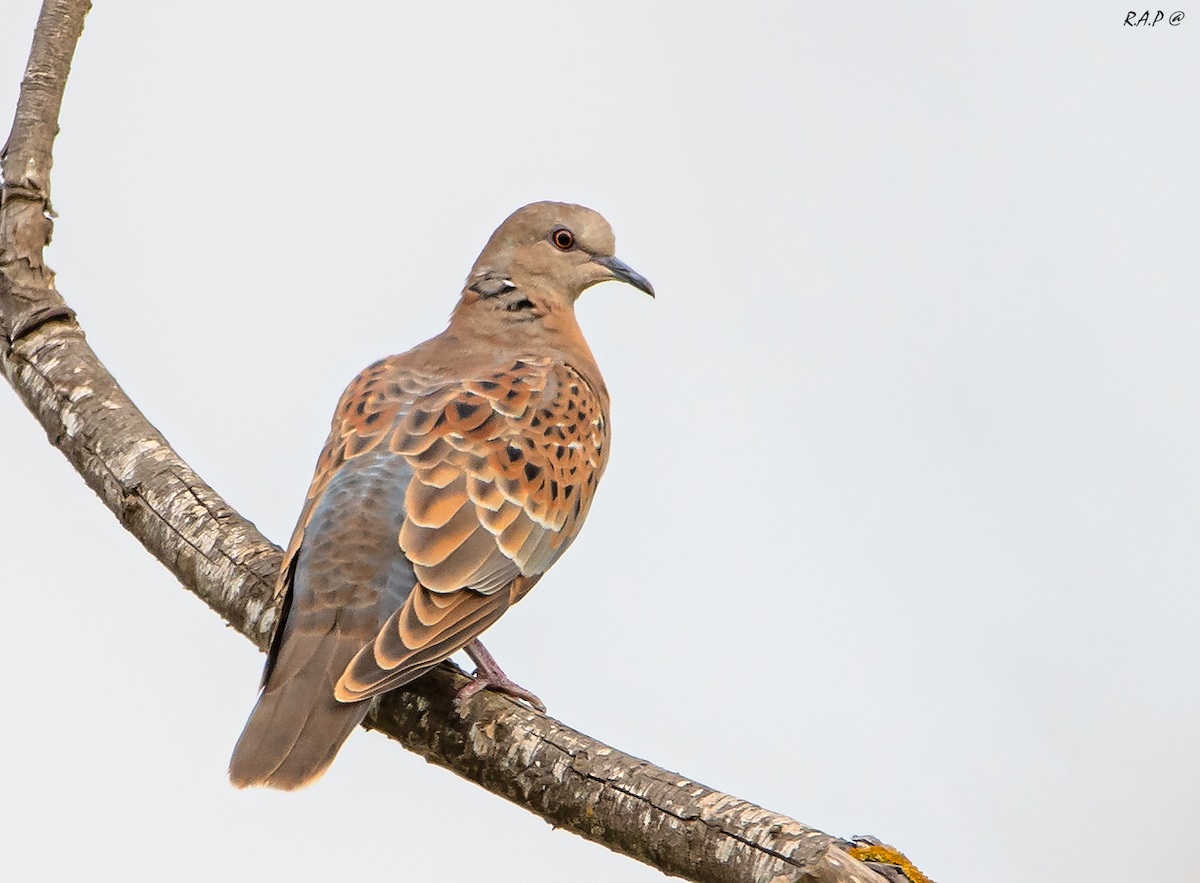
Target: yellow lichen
{"x":879,"y":852}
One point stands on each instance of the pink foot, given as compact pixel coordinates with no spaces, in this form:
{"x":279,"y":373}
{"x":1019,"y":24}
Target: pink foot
{"x":488,"y":676}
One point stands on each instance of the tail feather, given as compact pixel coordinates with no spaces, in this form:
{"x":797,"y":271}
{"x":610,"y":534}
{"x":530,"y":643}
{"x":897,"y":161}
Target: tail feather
{"x":297,"y":727}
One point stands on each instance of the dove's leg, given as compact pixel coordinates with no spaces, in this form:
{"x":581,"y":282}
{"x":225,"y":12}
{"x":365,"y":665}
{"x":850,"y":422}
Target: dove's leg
{"x":488,"y":676}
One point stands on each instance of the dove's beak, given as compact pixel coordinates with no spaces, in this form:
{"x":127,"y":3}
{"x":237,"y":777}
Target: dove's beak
{"x":622,"y":272}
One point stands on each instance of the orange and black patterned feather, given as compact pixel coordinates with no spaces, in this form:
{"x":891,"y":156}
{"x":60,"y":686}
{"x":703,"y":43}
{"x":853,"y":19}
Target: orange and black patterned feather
{"x":505,"y":467}
{"x":437,"y":502}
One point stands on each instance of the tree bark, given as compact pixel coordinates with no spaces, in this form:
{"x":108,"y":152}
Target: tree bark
{"x":572,"y":781}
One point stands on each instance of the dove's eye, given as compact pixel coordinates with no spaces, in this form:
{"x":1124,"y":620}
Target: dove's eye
{"x":563,"y":238}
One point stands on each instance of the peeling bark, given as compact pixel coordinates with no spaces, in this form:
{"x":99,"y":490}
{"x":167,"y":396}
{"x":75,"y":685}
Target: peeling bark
{"x":180,"y":520}
{"x":572,"y":781}
{"x":660,"y":818}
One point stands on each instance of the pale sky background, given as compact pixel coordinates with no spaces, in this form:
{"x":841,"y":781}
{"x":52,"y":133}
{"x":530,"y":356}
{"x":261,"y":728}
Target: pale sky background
{"x":899,"y":534}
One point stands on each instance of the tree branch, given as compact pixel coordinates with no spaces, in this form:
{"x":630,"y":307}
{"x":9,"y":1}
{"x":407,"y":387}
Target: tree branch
{"x":574,"y":782}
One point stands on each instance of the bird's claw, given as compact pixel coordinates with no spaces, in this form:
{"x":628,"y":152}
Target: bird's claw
{"x":502,"y":685}
{"x":489,"y":676}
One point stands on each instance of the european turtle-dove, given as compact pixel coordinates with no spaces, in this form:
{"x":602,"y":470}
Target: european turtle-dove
{"x":454,"y":475}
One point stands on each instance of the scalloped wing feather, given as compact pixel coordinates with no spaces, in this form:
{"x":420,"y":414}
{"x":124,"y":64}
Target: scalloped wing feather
{"x":505,"y":469}
{"x":487,"y":480}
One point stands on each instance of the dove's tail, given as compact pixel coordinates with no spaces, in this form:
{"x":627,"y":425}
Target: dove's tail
{"x":297,"y":727}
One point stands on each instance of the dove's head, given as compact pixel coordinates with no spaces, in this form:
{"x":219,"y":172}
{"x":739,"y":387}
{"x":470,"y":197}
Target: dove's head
{"x":542,"y":258}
